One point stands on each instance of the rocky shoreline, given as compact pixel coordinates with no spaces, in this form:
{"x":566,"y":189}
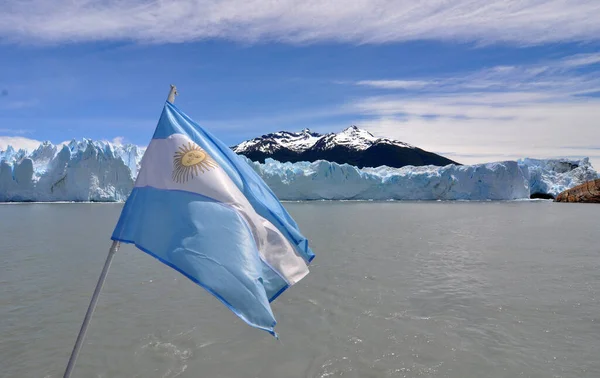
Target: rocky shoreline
{"x":588,"y":192}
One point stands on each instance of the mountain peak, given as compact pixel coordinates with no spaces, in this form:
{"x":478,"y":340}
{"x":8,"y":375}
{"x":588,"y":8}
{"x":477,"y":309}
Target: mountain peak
{"x":269,"y":143}
{"x":358,"y":132}
{"x":353,"y":137}
{"x":352,"y":145}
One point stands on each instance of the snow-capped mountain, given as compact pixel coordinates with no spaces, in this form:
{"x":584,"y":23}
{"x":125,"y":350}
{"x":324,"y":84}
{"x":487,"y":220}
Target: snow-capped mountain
{"x":352,"y":146}
{"x":283,"y":139}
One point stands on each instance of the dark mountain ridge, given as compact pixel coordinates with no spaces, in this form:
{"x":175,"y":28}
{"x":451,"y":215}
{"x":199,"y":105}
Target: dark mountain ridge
{"x":353,"y":146}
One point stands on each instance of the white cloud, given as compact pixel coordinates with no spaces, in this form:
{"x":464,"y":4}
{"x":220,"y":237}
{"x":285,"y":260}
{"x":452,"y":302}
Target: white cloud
{"x":18,"y":143}
{"x":489,"y":133}
{"x":394,"y":84}
{"x":65,"y":143}
{"x":582,"y":60}
{"x":495,"y":127}
{"x":496,"y":114}
{"x":31,"y":144}
{"x":15,"y":131}
{"x":118,"y":141}
{"x":296,"y":21}
{"x":556,"y":78}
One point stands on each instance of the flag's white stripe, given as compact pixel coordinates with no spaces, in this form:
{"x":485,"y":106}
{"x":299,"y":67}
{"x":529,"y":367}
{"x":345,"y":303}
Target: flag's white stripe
{"x":275,"y":249}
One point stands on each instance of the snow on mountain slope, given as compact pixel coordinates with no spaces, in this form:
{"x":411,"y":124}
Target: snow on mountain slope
{"x":283,"y":139}
{"x":352,"y":146}
{"x":89,"y":170}
{"x":352,"y":137}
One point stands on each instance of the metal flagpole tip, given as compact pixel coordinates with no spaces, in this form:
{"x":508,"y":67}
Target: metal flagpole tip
{"x":172,"y":94}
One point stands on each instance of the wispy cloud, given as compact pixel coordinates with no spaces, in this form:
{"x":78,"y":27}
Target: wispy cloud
{"x":295,"y":21}
{"x":537,"y":131}
{"x":394,"y":84}
{"x":118,"y":141}
{"x":558,"y":77}
{"x":18,"y":142}
{"x":582,"y":60}
{"x":497,"y":113}
{"x":14,"y":131}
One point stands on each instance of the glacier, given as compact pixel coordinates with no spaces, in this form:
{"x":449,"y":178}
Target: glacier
{"x":507,"y":180}
{"x":101,"y":171}
{"x":79,"y":171}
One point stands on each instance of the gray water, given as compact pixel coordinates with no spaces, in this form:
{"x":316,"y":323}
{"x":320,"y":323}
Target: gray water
{"x":397,"y":290}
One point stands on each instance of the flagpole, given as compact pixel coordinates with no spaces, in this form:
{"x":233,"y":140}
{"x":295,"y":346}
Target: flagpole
{"x":172,"y":94}
{"x":88,"y":315}
{"x":92,"y":306}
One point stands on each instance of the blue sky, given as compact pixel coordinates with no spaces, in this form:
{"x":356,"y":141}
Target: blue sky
{"x":474,"y":81}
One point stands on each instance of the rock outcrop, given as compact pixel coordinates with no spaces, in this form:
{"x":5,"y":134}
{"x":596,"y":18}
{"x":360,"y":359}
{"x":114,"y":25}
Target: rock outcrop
{"x":588,"y":192}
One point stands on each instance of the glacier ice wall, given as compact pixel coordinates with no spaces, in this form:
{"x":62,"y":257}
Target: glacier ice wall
{"x":79,"y":171}
{"x":89,"y":170}
{"x":324,"y":180}
{"x":553,"y":176}
{"x":507,"y":180}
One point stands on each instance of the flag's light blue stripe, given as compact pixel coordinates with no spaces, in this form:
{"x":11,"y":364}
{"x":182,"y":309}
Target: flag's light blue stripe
{"x":207,"y":241}
{"x":195,"y":280}
{"x":260,"y":196}
{"x":275,"y":283}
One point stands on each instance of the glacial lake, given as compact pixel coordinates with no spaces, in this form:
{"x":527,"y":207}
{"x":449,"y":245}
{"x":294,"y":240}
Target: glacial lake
{"x":397,"y":289}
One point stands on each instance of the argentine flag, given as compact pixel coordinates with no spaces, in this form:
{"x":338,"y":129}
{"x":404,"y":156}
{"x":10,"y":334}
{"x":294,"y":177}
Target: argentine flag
{"x":199,"y":208}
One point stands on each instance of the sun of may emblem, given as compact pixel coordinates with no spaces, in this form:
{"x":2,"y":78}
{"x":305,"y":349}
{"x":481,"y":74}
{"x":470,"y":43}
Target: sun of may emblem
{"x":190,"y":161}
